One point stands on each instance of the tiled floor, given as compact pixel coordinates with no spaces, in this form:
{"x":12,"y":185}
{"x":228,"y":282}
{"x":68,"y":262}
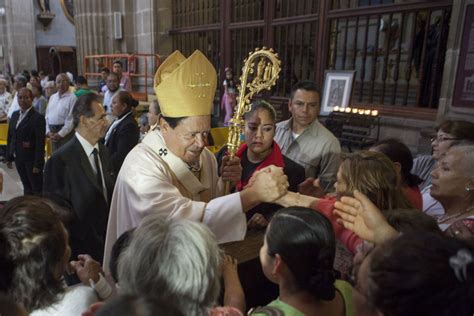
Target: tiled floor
{"x":12,"y":186}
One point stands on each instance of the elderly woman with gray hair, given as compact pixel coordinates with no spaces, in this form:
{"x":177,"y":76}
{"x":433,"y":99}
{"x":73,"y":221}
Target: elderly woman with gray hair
{"x":178,"y":261}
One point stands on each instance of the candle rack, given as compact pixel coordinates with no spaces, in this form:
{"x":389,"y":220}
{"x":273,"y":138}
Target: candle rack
{"x":355,"y":128}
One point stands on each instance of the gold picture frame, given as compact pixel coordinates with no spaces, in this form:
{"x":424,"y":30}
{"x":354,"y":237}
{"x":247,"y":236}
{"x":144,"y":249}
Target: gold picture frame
{"x":68,"y":9}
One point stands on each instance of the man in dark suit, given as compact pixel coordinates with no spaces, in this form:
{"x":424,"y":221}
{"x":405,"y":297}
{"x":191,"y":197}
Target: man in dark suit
{"x":124,"y":132}
{"x":81,"y":173}
{"x":25,"y":143}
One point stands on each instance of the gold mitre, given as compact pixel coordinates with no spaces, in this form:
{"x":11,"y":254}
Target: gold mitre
{"x":185,"y":87}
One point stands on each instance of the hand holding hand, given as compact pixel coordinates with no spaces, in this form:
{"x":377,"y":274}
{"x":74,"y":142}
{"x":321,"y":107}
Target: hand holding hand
{"x":36,"y":170}
{"x":86,"y":268}
{"x":231,"y":170}
{"x":269,"y":183}
{"x":9,"y":165}
{"x":257,"y":221}
{"x":361,"y":216}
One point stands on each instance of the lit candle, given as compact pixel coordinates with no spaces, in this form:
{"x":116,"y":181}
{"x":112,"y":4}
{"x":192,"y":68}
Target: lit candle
{"x":361,"y":111}
{"x":336,"y":108}
{"x":367,"y":112}
{"x":374,"y":113}
{"x":354,"y":110}
{"x":348,"y":110}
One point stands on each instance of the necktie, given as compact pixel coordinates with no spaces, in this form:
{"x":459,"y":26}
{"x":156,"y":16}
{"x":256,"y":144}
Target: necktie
{"x":95,"y":152}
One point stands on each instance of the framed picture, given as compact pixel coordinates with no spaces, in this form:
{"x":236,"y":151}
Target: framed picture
{"x":337,"y":90}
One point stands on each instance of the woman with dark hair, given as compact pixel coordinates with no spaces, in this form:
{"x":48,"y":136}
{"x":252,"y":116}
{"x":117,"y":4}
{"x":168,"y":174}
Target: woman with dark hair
{"x":34,"y":254}
{"x":39,"y":101}
{"x":124,"y":132}
{"x":298,"y":255}
{"x":260,"y":151}
{"x":402,"y":158}
{"x":444,"y":282}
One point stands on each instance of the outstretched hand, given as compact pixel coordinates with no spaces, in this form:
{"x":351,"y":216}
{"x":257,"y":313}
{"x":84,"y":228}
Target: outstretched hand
{"x":361,"y":216}
{"x":86,"y":269}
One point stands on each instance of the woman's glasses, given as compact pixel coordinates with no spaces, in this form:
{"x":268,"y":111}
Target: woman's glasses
{"x":442,"y":138}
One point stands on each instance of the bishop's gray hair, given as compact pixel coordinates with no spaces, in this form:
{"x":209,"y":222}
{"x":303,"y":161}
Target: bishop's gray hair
{"x":176,"y":260}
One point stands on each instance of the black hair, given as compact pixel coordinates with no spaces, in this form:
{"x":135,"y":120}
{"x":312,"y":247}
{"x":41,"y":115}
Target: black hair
{"x":32,"y":244}
{"x":28,"y":90}
{"x":38,"y":86}
{"x":21,"y":79}
{"x":306,"y":243}
{"x":130,"y":305}
{"x":411,"y":275}
{"x":407,"y":220}
{"x":34,"y":73}
{"x":105,"y":69}
{"x":83,"y":107}
{"x":261,"y":105}
{"x":26,"y":74}
{"x":306,"y":85}
{"x":117,"y":61}
{"x":119,"y":246}
{"x":463,"y":130}
{"x":126,"y":98}
{"x":397,"y":151}
{"x":81,"y":79}
{"x":173,"y":121}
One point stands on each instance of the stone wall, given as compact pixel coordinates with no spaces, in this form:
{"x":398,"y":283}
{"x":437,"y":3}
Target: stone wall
{"x":61,"y":32}
{"x":144,"y":27}
{"x":18,"y":36}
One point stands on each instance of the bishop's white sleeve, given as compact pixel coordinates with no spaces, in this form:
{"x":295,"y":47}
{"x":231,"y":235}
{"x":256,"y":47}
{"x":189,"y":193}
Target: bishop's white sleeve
{"x":225,"y":217}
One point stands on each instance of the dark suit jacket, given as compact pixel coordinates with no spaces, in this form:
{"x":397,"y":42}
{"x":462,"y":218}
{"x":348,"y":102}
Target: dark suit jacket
{"x":26,"y":143}
{"x":124,"y":137}
{"x":69,"y":176}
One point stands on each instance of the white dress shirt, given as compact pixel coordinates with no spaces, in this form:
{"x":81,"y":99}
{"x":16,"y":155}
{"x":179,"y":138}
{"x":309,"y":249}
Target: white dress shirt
{"x":59,"y":112}
{"x":14,"y":106}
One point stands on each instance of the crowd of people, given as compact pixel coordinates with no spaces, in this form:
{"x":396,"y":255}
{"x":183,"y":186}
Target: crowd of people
{"x":123,"y":220}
